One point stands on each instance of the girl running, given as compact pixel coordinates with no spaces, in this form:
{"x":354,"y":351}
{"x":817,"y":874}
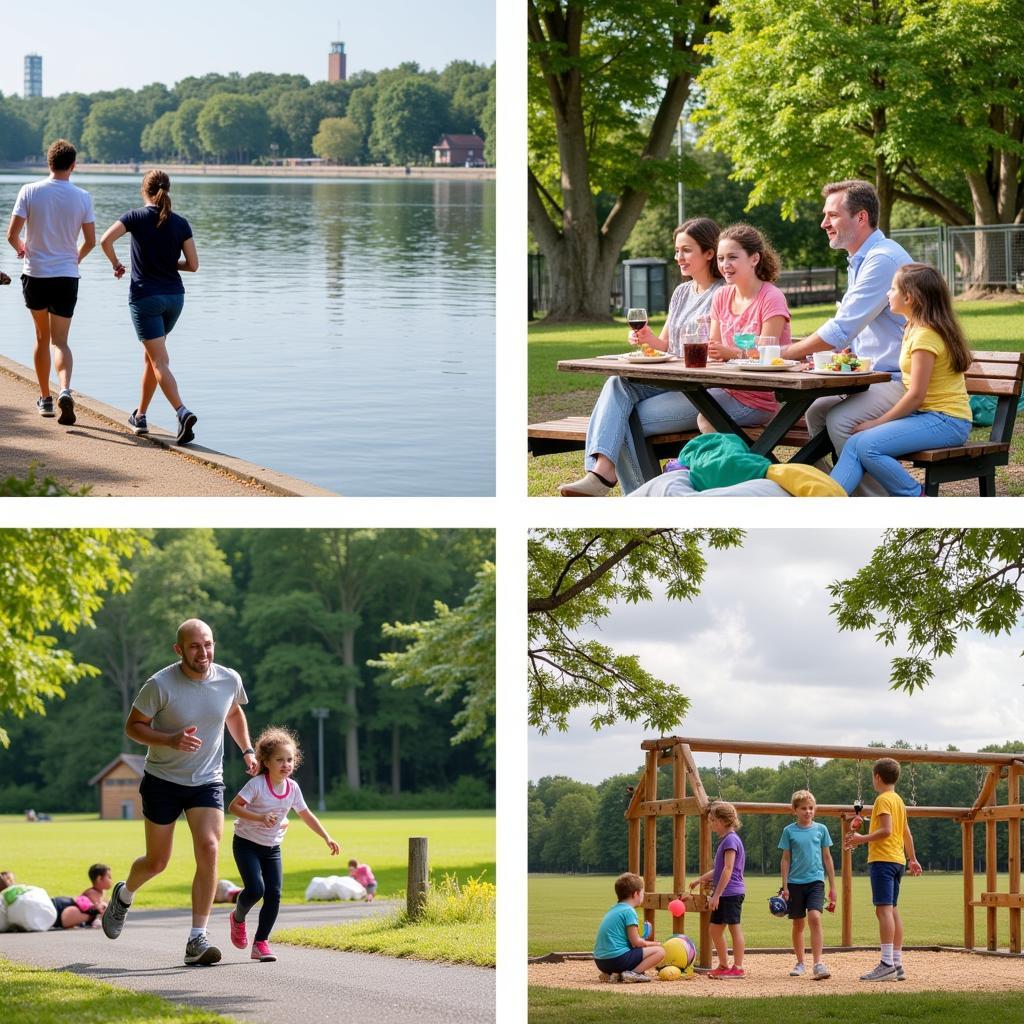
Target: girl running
{"x":157,"y":296}
{"x":261,"y":809}
{"x":935,"y":411}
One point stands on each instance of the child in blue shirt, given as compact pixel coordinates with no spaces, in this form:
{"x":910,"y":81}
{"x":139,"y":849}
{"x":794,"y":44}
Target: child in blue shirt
{"x":619,"y":951}
{"x":805,"y":862}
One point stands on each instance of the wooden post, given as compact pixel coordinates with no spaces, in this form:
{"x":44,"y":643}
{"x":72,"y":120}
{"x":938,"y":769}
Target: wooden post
{"x":1013,"y":856}
{"x":705,"y":917}
{"x":968,"y":858}
{"x":846,"y":870}
{"x":678,"y":832}
{"x":633,"y":826}
{"x":990,"y":883}
{"x":651,"y":832}
{"x":418,"y":878}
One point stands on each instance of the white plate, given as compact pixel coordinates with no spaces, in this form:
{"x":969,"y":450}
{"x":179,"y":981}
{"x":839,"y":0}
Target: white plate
{"x":742,"y":364}
{"x":639,"y":357}
{"x":841,"y":373}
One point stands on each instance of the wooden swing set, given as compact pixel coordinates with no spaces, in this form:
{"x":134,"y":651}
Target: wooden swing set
{"x":689,"y":797}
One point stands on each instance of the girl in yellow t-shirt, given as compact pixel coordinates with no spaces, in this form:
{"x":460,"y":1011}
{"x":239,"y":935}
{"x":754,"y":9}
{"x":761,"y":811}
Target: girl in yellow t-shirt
{"x":934,"y":411}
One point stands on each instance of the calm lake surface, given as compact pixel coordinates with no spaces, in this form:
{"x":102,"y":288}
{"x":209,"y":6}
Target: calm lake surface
{"x":342,"y":332}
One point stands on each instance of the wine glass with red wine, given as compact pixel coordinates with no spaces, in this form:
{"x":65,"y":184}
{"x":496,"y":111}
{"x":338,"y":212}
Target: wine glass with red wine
{"x":636,"y":318}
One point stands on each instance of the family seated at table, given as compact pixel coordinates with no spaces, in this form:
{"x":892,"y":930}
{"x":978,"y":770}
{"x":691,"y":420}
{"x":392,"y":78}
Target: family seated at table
{"x":896,"y":312}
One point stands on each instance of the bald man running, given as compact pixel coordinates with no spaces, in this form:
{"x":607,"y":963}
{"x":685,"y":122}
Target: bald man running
{"x":180,"y":714}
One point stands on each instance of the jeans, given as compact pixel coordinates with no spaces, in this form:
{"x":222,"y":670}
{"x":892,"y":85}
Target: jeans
{"x":840,"y":415}
{"x":874,"y":451}
{"x":260,"y":868}
{"x":660,"y":412}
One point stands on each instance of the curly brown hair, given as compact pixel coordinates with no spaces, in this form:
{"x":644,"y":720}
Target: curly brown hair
{"x":270,"y":739}
{"x":753,"y":242}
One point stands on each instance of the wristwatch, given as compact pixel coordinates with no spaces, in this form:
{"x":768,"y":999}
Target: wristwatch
{"x":248,"y":750}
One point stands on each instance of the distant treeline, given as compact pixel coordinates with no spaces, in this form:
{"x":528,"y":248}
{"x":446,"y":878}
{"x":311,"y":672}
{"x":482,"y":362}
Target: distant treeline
{"x":299,"y":613}
{"x":576,"y":826}
{"x":394,"y":116}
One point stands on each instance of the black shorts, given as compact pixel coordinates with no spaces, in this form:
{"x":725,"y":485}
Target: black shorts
{"x":623,"y":962}
{"x":728,"y":912}
{"x":60,"y":904}
{"x":804,"y":896}
{"x":163,"y":801}
{"x":57,"y":295}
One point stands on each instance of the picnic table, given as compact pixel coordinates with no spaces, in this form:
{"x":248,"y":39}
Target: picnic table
{"x":795,"y":390}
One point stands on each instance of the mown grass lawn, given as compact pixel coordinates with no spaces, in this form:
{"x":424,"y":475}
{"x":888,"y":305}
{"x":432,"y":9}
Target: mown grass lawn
{"x":29,"y":995}
{"x":564,"y":912}
{"x":555,"y":1006}
{"x":56,"y":855}
{"x":990,"y":326}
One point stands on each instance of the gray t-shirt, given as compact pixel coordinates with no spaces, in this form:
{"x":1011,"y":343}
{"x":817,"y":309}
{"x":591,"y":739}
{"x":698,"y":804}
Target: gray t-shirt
{"x":173,"y":702}
{"x":687,"y":304}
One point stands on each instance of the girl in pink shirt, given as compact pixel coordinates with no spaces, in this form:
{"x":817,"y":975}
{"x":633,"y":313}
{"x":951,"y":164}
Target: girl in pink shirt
{"x":364,"y":876}
{"x":749,"y":302}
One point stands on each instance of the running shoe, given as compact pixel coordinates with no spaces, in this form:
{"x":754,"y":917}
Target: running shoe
{"x":45,"y":405}
{"x":798,"y":971}
{"x":883,"y":972}
{"x":261,"y":951}
{"x":186,"y":421}
{"x":200,"y":951}
{"x":67,"y":408}
{"x":589,"y":486}
{"x":733,"y":974}
{"x":821,"y":972}
{"x":238,"y":937}
{"x":901,"y":975}
{"x":612,"y":978}
{"x":633,"y":977}
{"x":137,"y":421}
{"x":719,"y":972}
{"x":113,"y":916}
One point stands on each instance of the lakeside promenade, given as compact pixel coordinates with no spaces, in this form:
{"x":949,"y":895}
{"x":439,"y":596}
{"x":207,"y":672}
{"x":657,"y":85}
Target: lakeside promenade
{"x":100,"y":452}
{"x":431,"y":173}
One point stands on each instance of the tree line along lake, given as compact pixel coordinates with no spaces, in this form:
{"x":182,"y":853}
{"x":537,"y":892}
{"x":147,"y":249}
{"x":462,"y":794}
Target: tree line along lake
{"x":339,"y":331}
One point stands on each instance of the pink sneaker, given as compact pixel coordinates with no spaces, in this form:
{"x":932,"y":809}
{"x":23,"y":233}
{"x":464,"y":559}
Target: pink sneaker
{"x":733,"y":973}
{"x":238,"y":937}
{"x":261,"y":951}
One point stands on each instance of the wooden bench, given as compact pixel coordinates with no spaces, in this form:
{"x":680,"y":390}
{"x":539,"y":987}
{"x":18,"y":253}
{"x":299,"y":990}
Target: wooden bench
{"x":999,"y":374}
{"x":570,"y":434}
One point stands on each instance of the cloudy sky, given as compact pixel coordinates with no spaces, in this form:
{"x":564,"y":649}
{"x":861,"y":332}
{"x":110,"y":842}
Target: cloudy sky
{"x":760,"y":657}
{"x":107,"y":45}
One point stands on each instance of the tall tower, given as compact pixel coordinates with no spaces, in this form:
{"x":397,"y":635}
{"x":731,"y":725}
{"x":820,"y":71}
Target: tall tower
{"x":336,"y":63}
{"x":33,"y":75}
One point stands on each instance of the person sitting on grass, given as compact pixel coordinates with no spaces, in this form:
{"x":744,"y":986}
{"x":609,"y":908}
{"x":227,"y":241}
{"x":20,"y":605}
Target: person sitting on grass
{"x":101,"y":880}
{"x":261,"y":811}
{"x":72,"y":911}
{"x":364,"y":876}
{"x":619,"y":952}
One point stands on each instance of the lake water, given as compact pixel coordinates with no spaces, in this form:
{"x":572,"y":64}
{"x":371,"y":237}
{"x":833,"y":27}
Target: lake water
{"x":339,"y":331}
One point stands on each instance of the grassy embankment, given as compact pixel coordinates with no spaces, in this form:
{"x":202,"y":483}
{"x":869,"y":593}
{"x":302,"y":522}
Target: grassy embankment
{"x":990,"y":326}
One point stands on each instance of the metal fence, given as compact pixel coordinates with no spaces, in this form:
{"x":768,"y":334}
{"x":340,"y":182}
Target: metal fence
{"x":986,"y":257}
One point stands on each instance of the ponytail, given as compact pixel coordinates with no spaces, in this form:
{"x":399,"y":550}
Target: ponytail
{"x":157,"y":187}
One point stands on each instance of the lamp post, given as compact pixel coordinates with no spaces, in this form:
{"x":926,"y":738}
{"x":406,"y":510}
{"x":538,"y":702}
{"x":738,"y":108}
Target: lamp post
{"x":680,"y":199}
{"x":320,"y":714}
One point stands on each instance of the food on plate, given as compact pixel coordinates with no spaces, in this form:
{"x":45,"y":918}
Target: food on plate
{"x":844,"y":362}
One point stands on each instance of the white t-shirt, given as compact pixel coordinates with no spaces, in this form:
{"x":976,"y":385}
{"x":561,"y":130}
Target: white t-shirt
{"x":54,"y":213}
{"x":260,"y":798}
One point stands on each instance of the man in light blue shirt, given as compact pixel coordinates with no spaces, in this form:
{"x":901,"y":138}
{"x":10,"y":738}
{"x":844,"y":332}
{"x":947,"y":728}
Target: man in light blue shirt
{"x":863,"y":321}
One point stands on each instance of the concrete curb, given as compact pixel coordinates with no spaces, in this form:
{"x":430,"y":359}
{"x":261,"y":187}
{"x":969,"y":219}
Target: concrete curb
{"x":271,"y":479}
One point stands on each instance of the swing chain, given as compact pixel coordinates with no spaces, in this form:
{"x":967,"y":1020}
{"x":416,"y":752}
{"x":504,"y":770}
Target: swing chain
{"x":719,"y":775}
{"x":858,"y":804}
{"x":913,"y":786}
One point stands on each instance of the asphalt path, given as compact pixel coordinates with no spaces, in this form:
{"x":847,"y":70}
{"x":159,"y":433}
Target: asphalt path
{"x":308,"y":985}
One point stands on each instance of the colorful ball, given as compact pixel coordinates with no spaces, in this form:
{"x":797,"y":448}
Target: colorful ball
{"x":679,"y":952}
{"x":670,"y":973}
{"x":677,"y":908}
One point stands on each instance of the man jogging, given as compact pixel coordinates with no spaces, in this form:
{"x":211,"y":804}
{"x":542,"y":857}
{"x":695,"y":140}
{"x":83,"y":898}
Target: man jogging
{"x":180,"y":714}
{"x":52,"y":213}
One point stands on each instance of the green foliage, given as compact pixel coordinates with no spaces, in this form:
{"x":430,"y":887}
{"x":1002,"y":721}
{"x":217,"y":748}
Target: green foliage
{"x":468,"y":793}
{"x":408,"y":118}
{"x":339,"y":140}
{"x":185,"y":130}
{"x":157,"y":139}
{"x":453,"y":654}
{"x":31,"y":486}
{"x":233,"y":126}
{"x":51,"y":578}
{"x":113,"y":129}
{"x":66,"y":119}
{"x":932,"y":585}
{"x":574,"y":578}
{"x":297,"y":114}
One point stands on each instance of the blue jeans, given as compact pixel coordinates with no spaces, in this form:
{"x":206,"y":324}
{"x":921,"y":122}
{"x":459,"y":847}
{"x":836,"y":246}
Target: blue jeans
{"x":260,"y":868}
{"x":875,"y":450}
{"x":660,"y":412}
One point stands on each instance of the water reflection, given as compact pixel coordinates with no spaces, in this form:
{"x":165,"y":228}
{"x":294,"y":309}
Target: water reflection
{"x":339,"y":331}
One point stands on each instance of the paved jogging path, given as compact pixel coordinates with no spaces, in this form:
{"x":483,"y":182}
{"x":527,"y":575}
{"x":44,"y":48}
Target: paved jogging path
{"x":308,"y":986}
{"x":101,"y":452}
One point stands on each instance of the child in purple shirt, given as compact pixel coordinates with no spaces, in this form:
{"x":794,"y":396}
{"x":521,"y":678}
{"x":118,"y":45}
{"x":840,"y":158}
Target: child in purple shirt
{"x":726,"y":899}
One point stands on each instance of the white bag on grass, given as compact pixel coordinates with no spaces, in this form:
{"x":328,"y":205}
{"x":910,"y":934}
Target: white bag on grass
{"x":29,"y":909}
{"x":3,"y":913}
{"x":334,"y":887}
